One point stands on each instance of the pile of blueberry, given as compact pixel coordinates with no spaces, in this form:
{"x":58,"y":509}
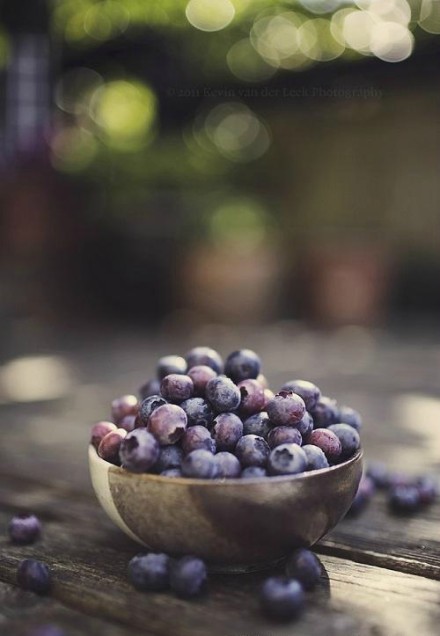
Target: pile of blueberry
{"x":203,"y":418}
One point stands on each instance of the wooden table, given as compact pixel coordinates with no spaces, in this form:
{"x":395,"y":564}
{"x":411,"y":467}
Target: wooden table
{"x":382,"y":573}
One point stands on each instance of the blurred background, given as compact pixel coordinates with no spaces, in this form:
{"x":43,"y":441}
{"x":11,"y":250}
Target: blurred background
{"x":235,"y":173}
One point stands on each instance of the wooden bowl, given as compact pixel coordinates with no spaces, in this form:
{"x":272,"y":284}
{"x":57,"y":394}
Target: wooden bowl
{"x":240,"y":524}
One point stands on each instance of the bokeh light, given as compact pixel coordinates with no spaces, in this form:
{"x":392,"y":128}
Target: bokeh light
{"x":429,"y":19}
{"x":210,"y":15}
{"x":246,"y":64}
{"x":242,"y":223}
{"x":73,"y":149}
{"x":75,"y":89}
{"x":391,"y":42}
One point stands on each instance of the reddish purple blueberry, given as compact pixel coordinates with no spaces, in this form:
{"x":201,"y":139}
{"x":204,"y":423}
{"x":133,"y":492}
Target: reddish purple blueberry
{"x":129,"y":423}
{"x":197,"y":437}
{"x":281,"y":598}
{"x":108,"y":448}
{"x":167,"y":423}
{"x":304,"y":566}
{"x":171,"y":365}
{"x":242,"y":365}
{"x":35,"y":576}
{"x":148,"y":405}
{"x":252,"y":397}
{"x":223,"y":394}
{"x":150,"y":572}
{"x":307,"y":390}
{"x":327,"y":441}
{"x":24,"y":529}
{"x":286,"y":409}
{"x":100,"y":430}
{"x":188,"y":576}
{"x":227,"y":430}
{"x":139,"y":451}
{"x":258,"y":424}
{"x":228,"y":465}
{"x":252,"y":450}
{"x":125,"y":405}
{"x":198,"y":411}
{"x":176,"y":388}
{"x":201,"y":375}
{"x":200,"y":464}
{"x":284,"y":435}
{"x":287,"y":459}
{"x":205,"y":356}
{"x":315,"y":457}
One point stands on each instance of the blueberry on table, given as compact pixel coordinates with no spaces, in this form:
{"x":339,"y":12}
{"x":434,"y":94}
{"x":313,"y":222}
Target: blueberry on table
{"x":198,"y":411}
{"x":228,"y":465}
{"x":284,"y":435}
{"x":349,"y":438}
{"x":151,"y":387}
{"x":170,"y":364}
{"x":99,"y":431}
{"x":315,"y":457}
{"x":205,"y":356}
{"x":252,"y":397}
{"x":227,"y":430}
{"x":176,"y":388}
{"x":169,"y":457}
{"x":287,"y":459}
{"x":223,"y":394}
{"x":35,"y":576}
{"x":150,"y":572}
{"x":242,"y":365}
{"x":200,"y":464}
{"x":305,"y":425}
{"x":24,"y":529}
{"x":188,"y":576}
{"x":167,"y":423}
{"x":428,"y":490}
{"x":197,"y":437}
{"x":252,"y":450}
{"x":148,"y":405}
{"x":200,"y":375}
{"x":404,"y":499}
{"x":304,"y":566}
{"x":327,"y":441}
{"x":251,"y":472}
{"x":325,"y":412}
{"x":108,"y":448}
{"x":282,"y":598}
{"x":258,"y":424}
{"x":349,"y":416}
{"x":286,"y":409}
{"x":363,"y":496}
{"x":378,"y":473}
{"x":308,"y":391}
{"x":139,"y":451}
{"x":125,"y":405}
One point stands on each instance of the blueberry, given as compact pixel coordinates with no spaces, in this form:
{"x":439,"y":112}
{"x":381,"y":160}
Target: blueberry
{"x":46,"y":630}
{"x":268,"y":396}
{"x":129,"y":423}
{"x":148,"y":406}
{"x":151,"y":387}
{"x":428,"y":490}
{"x":404,"y":499}
{"x":327,"y":441}
{"x":242,"y":365}
{"x":315,"y":457}
{"x":188,"y":576}
{"x":252,"y":397}
{"x":286,"y":409}
{"x":204,"y":356}
{"x":378,"y":472}
{"x":304,"y":566}
{"x":197,"y":437}
{"x":24,"y":529}
{"x":200,"y":464}
{"x":125,"y":405}
{"x":227,"y":430}
{"x":169,"y":457}
{"x":282,"y":598}
{"x":176,"y":388}
{"x":287,"y":459}
{"x":139,"y":451}
{"x":100,"y":430}
{"x":325,"y":412}
{"x":171,"y":472}
{"x":171,"y":364}
{"x":228,"y":465}
{"x":308,"y":391}
{"x":150,"y":572}
{"x":223,"y":394}
{"x":363,"y":496}
{"x":198,"y":411}
{"x":258,"y":424}
{"x":35,"y":576}
{"x":167,"y":423}
{"x":253,"y":471}
{"x":284,"y":435}
{"x":109,"y":446}
{"x":349,"y":416}
{"x":200,"y":375}
{"x":349,"y":438}
{"x":252,"y":450}
{"x":305,"y":425}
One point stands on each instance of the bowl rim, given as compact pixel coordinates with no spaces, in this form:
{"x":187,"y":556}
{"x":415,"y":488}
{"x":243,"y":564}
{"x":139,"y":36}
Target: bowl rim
{"x":233,"y":481}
